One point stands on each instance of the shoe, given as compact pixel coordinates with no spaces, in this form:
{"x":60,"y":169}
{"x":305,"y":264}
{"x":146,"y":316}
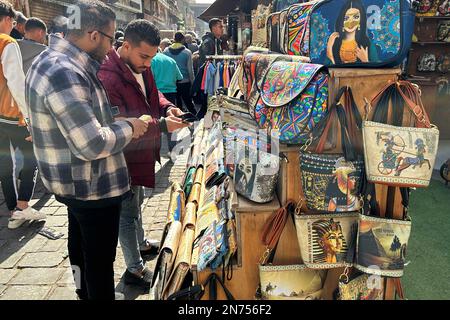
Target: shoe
{"x":144,"y":280}
{"x":119,"y":296}
{"x":151,"y":249}
{"x":15,"y":223}
{"x":28,"y":214}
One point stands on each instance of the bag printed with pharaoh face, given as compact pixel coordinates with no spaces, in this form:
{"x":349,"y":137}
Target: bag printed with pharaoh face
{"x":328,"y":240}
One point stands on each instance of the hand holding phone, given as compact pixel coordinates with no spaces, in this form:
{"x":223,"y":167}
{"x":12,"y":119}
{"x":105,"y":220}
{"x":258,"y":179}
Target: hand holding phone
{"x":188,"y":117}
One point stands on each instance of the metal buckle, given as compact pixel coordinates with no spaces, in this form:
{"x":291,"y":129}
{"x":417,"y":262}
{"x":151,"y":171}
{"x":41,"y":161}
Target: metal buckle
{"x":306,"y":145}
{"x":264,"y":257}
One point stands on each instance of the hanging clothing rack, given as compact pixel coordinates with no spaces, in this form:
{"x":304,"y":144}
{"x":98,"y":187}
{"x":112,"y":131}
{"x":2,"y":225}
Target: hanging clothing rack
{"x":224,"y":57}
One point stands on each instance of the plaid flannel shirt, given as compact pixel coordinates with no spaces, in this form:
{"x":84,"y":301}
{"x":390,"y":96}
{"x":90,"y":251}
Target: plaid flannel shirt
{"x":77,"y":143}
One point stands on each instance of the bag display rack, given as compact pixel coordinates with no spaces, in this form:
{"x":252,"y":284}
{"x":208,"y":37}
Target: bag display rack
{"x":282,"y":93}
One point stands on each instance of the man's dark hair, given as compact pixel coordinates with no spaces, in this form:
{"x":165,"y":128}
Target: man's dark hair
{"x":35,"y":23}
{"x":6,"y":10}
{"x":179,"y":37}
{"x":142,"y":30}
{"x":213,"y":22}
{"x":94,"y":16}
{"x":59,"y":25}
{"x":20,"y":18}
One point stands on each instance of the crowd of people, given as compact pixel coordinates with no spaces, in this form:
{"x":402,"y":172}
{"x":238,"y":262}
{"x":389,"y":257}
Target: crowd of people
{"x":86,"y":107}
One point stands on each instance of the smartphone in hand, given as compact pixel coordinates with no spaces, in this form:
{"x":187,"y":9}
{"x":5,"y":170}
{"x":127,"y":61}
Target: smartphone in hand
{"x":188,"y":117}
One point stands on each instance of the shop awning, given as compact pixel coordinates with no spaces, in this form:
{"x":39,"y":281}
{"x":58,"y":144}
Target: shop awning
{"x":219,"y":9}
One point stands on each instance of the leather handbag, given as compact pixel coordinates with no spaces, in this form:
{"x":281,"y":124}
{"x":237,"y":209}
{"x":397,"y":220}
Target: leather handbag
{"x":427,"y":62}
{"x":166,"y":258}
{"x":397,"y":155}
{"x":382,"y":32}
{"x":259,"y":27}
{"x":293,"y":99}
{"x":182,"y":264}
{"x":360,"y":287}
{"x":327,"y":240}
{"x":177,"y":208}
{"x":443,"y":31}
{"x":256,"y":171}
{"x":427,"y":8}
{"x":286,"y":282}
{"x":382,"y":245}
{"x":332,"y":182}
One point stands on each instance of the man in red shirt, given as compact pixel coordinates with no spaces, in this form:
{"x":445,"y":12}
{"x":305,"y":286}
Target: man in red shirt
{"x":130,"y":85}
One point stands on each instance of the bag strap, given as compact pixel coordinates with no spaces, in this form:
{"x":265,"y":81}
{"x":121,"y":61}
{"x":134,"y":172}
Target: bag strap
{"x":399,"y":288}
{"x":349,"y":119}
{"x":272,"y":230}
{"x":212,"y":282}
{"x":410,"y":95}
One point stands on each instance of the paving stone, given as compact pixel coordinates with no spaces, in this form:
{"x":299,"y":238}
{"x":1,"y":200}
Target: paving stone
{"x":35,"y":244}
{"x":4,"y":221}
{"x":2,"y":288}
{"x":37,"y":276}
{"x":49,"y":211}
{"x":25,"y":293}
{"x":56,"y":221}
{"x":63,"y":293}
{"x":10,"y":259}
{"x":6,"y":275}
{"x":41,"y":260}
{"x":54,"y":245}
{"x":62,"y":211}
{"x":67,"y":277}
{"x":3,"y":242}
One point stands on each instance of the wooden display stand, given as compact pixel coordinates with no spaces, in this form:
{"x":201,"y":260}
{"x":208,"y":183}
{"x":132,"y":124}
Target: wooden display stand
{"x":250,"y":217}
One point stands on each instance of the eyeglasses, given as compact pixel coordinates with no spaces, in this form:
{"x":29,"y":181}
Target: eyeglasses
{"x":111,"y":39}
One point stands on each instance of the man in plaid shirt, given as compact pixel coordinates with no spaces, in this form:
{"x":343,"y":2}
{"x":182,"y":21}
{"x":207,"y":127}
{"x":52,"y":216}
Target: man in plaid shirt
{"x":78,"y":145}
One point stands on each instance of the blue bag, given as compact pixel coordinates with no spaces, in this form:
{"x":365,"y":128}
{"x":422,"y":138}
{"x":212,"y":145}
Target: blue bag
{"x":351,"y":33}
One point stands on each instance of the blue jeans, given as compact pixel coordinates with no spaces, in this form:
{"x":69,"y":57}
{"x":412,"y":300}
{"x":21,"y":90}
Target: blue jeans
{"x":131,"y":232}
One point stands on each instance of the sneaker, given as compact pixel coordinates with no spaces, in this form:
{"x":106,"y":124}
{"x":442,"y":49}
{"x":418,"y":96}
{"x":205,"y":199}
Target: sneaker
{"x":15,"y":223}
{"x":28,"y":214}
{"x":143,"y":280}
{"x":119,"y":296}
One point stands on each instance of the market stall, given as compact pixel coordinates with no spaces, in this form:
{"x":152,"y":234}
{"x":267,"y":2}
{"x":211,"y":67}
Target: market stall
{"x":299,"y":176}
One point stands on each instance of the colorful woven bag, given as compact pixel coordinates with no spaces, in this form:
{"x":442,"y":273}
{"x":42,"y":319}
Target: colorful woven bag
{"x":294,"y":98}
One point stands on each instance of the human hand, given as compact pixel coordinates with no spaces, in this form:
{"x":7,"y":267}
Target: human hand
{"x":175,"y":123}
{"x":174,"y":112}
{"x":362,"y":54}
{"x":29,"y":139}
{"x":139,"y":127}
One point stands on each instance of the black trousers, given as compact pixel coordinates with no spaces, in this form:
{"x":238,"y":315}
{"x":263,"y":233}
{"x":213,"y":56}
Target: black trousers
{"x":11,"y":134}
{"x":203,"y":97}
{"x":184,"y":95}
{"x":93,"y":238}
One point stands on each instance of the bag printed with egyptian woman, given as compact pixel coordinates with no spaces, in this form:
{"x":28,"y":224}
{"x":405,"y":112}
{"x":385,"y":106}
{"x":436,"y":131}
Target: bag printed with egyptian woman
{"x":366,"y":33}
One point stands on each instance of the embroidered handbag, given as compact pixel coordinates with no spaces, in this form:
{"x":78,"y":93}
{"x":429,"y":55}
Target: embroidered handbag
{"x":443,"y":32}
{"x":283,"y":31}
{"x":360,"y":287}
{"x":382,"y":245}
{"x":332,"y":182}
{"x":427,"y":8}
{"x":286,"y":282}
{"x":427,"y":62}
{"x":259,"y":27}
{"x":396,"y":155}
{"x":382,"y":32}
{"x":327,"y":240}
{"x":177,"y":203}
{"x":293,"y":99}
{"x":280,"y":5}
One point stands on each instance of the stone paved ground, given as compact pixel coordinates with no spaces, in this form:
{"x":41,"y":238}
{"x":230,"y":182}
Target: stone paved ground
{"x":33,"y":267}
